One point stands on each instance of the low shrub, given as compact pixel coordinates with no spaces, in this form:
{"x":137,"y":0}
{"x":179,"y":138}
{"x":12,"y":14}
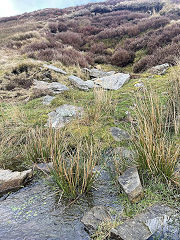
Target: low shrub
{"x":71,"y":38}
{"x":122,"y":57}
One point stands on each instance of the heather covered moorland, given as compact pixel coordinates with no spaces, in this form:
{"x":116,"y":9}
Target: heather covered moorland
{"x":90,"y":122}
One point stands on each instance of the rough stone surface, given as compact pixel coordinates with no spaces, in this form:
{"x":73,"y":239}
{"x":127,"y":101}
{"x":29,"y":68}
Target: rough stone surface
{"x":44,"y":167}
{"x":131,"y":184}
{"x":47,"y":99}
{"x":12,"y":180}
{"x":96,"y":73}
{"x":159,"y":69}
{"x":119,"y":134}
{"x":144,"y":225}
{"x":113,"y":82}
{"x":95,"y":217}
{"x":139,"y":85}
{"x":63,"y":115}
{"x":79,"y":83}
{"x":51,"y":67}
{"x":54,"y":87}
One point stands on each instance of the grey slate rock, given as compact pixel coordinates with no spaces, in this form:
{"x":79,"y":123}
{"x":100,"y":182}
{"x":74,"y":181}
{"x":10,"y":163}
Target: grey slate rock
{"x":96,"y":73}
{"x":131,"y":184}
{"x":44,"y":167}
{"x":58,"y":70}
{"x":119,"y":134}
{"x":113,"y":82}
{"x":142,"y":226}
{"x":10,"y":180}
{"x":63,"y":115}
{"x":54,"y":87}
{"x":95,"y":217}
{"x":81,"y":84}
{"x":47,"y":99}
{"x":159,"y":69}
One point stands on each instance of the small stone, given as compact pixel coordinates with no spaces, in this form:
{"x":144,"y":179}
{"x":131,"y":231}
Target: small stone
{"x":139,"y":85}
{"x":10,"y":180}
{"x":113,"y":82}
{"x":47,"y":99}
{"x":51,"y":67}
{"x":95,"y":217}
{"x":119,"y":134}
{"x":131,"y":184}
{"x":159,"y":69}
{"x":63,"y":115}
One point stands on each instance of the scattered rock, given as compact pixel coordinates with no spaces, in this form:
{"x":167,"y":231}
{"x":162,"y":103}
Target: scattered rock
{"x":95,"y":217}
{"x":51,"y":67}
{"x":79,"y":83}
{"x":96,"y":73}
{"x":12,"y":180}
{"x":131,"y":184}
{"x":144,"y":225}
{"x":119,"y":134}
{"x":63,"y":115}
{"x":44,"y":167}
{"x":47,"y":99}
{"x":54,"y":87}
{"x":159,"y":69}
{"x":139,"y":85}
{"x":113,"y":82}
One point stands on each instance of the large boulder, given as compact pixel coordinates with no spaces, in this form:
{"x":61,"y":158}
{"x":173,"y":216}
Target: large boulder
{"x":113,"y":82}
{"x":13,"y":180}
{"x":159,"y":69}
{"x":63,"y":115}
{"x":96,"y":73}
{"x":81,"y":84}
{"x":142,"y":226}
{"x":95,"y":217}
{"x":131,"y":184}
{"x":58,"y":70}
{"x":54,"y":87}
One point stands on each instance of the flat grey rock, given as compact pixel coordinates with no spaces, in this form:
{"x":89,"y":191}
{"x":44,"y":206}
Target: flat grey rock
{"x":159,"y":69}
{"x":113,"y":82}
{"x":142,"y":226}
{"x":96,"y":73}
{"x":63,"y":115}
{"x":131,"y":184}
{"x":51,"y":67}
{"x":47,"y":99}
{"x":119,"y":134}
{"x":10,"y":180}
{"x":81,"y":84}
{"x":95,"y":217}
{"x":139,"y":85}
{"x":54,"y":87}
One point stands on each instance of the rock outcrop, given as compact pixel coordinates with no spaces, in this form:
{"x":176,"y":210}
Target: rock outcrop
{"x":142,"y":226}
{"x":96,"y":73}
{"x":113,"y":82}
{"x":10,"y":180}
{"x":81,"y":84}
{"x":63,"y":115}
{"x":119,"y":134}
{"x":47,"y":99}
{"x":159,"y":69}
{"x":95,"y":217}
{"x":58,"y":70}
{"x":54,"y":87}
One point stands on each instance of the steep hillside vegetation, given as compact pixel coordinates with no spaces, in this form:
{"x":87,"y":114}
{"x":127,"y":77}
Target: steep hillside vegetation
{"x":137,"y":34}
